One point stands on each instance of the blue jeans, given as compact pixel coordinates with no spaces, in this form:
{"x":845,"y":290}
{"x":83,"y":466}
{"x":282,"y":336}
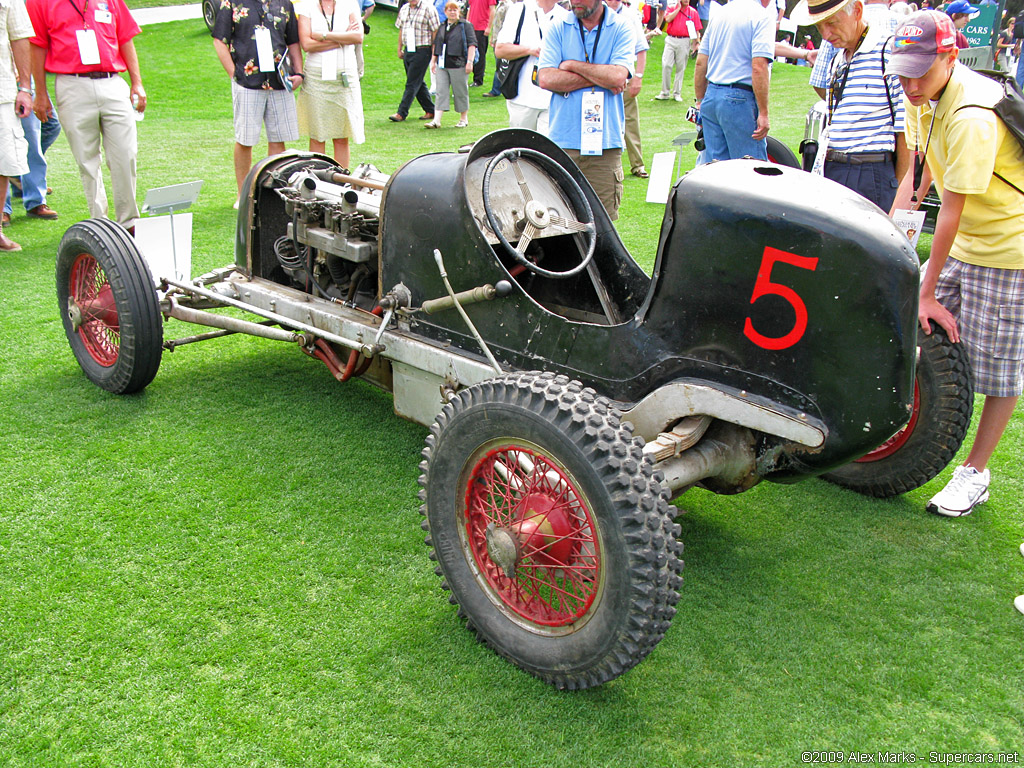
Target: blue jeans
{"x":33,"y":184}
{"x":1020,"y":71}
{"x":729,"y":116}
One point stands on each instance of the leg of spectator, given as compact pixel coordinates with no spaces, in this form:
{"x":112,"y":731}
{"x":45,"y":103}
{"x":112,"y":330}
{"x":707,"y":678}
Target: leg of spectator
{"x":632,"y":132}
{"x":243,"y":162}
{"x":667,"y":62}
{"x":49,"y":131}
{"x":81,"y":122}
{"x":120,"y":147}
{"x":682,"y":56}
{"x":33,"y":183}
{"x":480,"y":68}
{"x":341,"y":152}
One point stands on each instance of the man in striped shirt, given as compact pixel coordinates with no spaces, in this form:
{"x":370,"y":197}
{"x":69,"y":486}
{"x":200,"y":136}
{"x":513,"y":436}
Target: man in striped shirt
{"x":865,"y":149}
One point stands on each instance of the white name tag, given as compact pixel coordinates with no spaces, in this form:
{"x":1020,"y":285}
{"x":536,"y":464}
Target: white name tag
{"x":88,"y":48}
{"x":691,"y":31}
{"x":592,"y":123}
{"x":910,"y":223}
{"x":104,"y":17}
{"x":329,"y":64}
{"x":410,"y":40}
{"x":264,"y":50}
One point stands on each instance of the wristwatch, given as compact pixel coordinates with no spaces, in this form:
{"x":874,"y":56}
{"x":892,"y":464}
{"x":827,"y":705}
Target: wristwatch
{"x":639,"y":74}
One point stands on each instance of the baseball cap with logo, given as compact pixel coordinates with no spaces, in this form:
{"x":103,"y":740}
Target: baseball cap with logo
{"x":918,"y":40}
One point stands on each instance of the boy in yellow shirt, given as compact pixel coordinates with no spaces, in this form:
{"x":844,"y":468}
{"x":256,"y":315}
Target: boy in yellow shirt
{"x":973,"y":284}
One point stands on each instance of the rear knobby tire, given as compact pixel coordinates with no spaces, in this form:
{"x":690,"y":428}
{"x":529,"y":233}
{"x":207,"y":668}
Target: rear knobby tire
{"x":535,"y":473}
{"x":781,"y":154}
{"x":108,"y":306}
{"x":943,"y":402}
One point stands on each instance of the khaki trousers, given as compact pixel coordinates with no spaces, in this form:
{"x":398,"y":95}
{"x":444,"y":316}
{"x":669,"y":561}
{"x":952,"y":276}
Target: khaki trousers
{"x":632,"y":131}
{"x":604,"y":172}
{"x":91,"y":110}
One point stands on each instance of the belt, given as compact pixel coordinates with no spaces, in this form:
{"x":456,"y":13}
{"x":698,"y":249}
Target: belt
{"x":857,"y":158}
{"x":741,"y":86}
{"x":94,"y":75}
{"x":680,"y":37}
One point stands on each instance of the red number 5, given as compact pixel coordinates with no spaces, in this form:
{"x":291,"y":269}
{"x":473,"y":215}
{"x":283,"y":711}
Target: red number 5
{"x":764,"y":286}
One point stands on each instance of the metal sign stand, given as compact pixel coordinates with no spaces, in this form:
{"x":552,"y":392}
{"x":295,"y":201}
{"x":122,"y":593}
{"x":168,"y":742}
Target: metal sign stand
{"x":176,"y":197}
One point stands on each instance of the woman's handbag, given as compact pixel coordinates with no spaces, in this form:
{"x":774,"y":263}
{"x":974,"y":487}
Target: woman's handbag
{"x":508,"y":69}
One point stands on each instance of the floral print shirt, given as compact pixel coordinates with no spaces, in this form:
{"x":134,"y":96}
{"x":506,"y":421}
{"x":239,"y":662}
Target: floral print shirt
{"x":236,"y":25}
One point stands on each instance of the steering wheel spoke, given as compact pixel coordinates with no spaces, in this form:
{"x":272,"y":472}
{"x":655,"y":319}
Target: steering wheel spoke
{"x":524,"y":188}
{"x":571,"y":224}
{"x":540,"y":215}
{"x":529,"y":233}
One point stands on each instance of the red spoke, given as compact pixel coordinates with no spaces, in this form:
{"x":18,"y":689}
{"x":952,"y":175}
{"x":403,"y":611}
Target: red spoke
{"x":557,"y":569}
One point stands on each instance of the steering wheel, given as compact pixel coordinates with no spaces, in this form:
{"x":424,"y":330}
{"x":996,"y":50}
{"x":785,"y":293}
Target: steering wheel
{"x":538,"y":216}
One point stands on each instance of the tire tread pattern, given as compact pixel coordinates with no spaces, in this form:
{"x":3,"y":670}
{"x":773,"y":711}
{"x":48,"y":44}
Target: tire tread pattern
{"x":636,"y":493}
{"x":141,"y":326}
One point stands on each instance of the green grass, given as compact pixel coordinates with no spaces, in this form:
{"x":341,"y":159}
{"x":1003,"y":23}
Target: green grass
{"x":228,"y":569}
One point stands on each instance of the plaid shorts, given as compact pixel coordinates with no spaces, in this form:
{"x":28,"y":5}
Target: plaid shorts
{"x":253,"y":107}
{"x":988,"y":305}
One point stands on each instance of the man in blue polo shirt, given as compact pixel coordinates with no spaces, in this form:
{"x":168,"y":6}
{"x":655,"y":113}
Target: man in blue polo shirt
{"x":732,"y":77}
{"x":585,"y":62}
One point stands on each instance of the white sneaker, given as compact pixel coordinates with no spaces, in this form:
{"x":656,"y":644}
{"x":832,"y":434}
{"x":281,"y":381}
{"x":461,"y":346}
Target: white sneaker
{"x":1022,"y":550}
{"x":235,"y":206}
{"x":1019,"y":603}
{"x":677,"y":97}
{"x":962,"y":493}
{"x":662,"y":96}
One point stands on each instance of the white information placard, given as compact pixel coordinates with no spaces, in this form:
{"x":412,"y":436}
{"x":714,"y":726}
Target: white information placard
{"x":166,"y":257}
{"x":660,"y":183}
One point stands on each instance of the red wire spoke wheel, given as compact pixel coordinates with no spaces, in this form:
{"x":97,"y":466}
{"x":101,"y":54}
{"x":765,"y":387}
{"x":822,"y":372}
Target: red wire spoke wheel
{"x":549,"y":528}
{"x":96,"y":313}
{"x":108,"y":306}
{"x":532,"y":537}
{"x":941,"y":415}
{"x":897,"y":441}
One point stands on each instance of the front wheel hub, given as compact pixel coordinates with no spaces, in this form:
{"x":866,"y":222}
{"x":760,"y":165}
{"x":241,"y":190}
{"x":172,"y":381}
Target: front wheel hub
{"x":503,"y":549}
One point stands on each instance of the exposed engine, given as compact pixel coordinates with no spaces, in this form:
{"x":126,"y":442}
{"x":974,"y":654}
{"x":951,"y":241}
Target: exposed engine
{"x":330,"y":247}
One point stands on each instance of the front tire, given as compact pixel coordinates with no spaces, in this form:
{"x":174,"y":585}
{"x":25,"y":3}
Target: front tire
{"x":549,"y":528}
{"x":943,"y":402}
{"x":109,"y":306}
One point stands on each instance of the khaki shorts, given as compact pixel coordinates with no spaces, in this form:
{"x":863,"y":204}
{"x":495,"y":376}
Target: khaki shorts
{"x":604,"y":172}
{"x":13,"y":146}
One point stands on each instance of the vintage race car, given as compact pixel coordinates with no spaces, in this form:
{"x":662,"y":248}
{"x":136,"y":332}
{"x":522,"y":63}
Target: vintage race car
{"x":569,"y":395}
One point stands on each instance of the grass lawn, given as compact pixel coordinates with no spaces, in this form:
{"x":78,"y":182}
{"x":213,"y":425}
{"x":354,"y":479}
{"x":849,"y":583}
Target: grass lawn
{"x":228,"y":569}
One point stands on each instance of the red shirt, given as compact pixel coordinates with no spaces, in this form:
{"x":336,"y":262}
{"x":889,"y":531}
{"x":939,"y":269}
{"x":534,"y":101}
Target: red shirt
{"x":480,"y":13}
{"x":677,"y":27}
{"x":56,"y":23}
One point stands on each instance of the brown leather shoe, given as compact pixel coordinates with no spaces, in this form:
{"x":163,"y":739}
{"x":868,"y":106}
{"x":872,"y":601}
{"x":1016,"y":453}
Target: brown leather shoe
{"x":396,"y":118}
{"x":427,"y":116}
{"x":6,"y":219}
{"x":6,"y":244}
{"x":640,"y":173}
{"x":42,"y":211}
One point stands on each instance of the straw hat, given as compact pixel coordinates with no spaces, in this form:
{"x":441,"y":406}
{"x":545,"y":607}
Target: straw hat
{"x":807,"y":13}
